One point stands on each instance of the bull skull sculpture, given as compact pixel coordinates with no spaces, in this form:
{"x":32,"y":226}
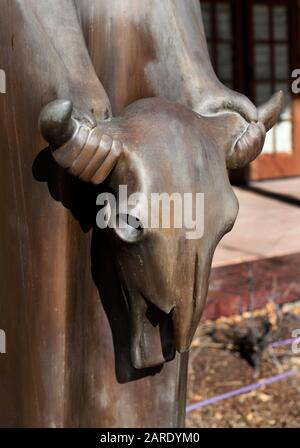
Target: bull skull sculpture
{"x":160,"y":146}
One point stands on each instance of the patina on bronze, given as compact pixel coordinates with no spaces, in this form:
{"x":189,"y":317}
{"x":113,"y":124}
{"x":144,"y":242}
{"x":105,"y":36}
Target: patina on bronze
{"x":78,"y":360}
{"x":168,"y":148}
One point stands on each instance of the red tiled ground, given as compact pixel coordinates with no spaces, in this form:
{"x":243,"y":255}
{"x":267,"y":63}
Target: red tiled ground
{"x":246,"y":286}
{"x":259,"y":261}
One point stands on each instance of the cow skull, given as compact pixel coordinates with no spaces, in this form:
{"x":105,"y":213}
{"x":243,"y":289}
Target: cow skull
{"x":158,"y":146}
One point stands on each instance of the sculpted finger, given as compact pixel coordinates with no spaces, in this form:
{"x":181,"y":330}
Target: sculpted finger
{"x":67,"y":153}
{"x":96,"y":161}
{"x":109,"y":163}
{"x":229,"y":100}
{"x":241,"y":104}
{"x":89,"y":150}
{"x":250,"y":143}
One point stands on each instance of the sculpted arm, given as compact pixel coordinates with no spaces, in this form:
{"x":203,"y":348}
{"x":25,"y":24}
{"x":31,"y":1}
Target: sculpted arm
{"x":53,"y":33}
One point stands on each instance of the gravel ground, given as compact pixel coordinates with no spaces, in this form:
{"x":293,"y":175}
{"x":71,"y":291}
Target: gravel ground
{"x":233,"y":352}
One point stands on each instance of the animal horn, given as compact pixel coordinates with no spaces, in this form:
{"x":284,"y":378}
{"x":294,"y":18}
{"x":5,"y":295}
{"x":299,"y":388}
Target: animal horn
{"x":86,"y":151}
{"x":56,"y":123}
{"x":248,"y":146}
{"x":269,"y":112}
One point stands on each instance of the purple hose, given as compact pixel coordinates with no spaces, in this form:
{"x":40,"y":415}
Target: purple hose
{"x":284,"y":342}
{"x":242,"y":390}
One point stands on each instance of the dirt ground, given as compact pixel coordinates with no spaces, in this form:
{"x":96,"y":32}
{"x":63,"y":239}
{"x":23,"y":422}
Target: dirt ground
{"x":234,"y":352}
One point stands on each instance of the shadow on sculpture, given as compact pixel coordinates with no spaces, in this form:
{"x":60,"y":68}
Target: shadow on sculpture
{"x":153,"y":282}
{"x":80,"y":198}
{"x":100,"y":56}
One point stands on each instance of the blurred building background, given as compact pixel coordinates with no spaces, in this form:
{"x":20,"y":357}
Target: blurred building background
{"x":254,"y":47}
{"x":254,"y":296}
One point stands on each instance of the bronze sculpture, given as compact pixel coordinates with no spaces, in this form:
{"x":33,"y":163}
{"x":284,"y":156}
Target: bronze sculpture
{"x":67,"y":373}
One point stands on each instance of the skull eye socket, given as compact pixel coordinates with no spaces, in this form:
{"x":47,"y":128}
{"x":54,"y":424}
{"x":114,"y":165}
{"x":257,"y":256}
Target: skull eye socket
{"x":129,"y":228}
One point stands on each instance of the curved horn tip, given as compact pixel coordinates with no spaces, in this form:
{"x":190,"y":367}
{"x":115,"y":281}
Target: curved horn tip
{"x":269,"y":112}
{"x":55,"y":121}
{"x":277,"y":100}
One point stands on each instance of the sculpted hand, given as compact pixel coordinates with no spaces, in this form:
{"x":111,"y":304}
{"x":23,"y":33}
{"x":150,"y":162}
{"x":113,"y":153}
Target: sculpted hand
{"x":85,"y":150}
{"x":257,"y":121}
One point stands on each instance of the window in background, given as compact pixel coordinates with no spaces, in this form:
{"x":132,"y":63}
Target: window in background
{"x":272,"y":68}
{"x":250,"y":44}
{"x":218,"y":28}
